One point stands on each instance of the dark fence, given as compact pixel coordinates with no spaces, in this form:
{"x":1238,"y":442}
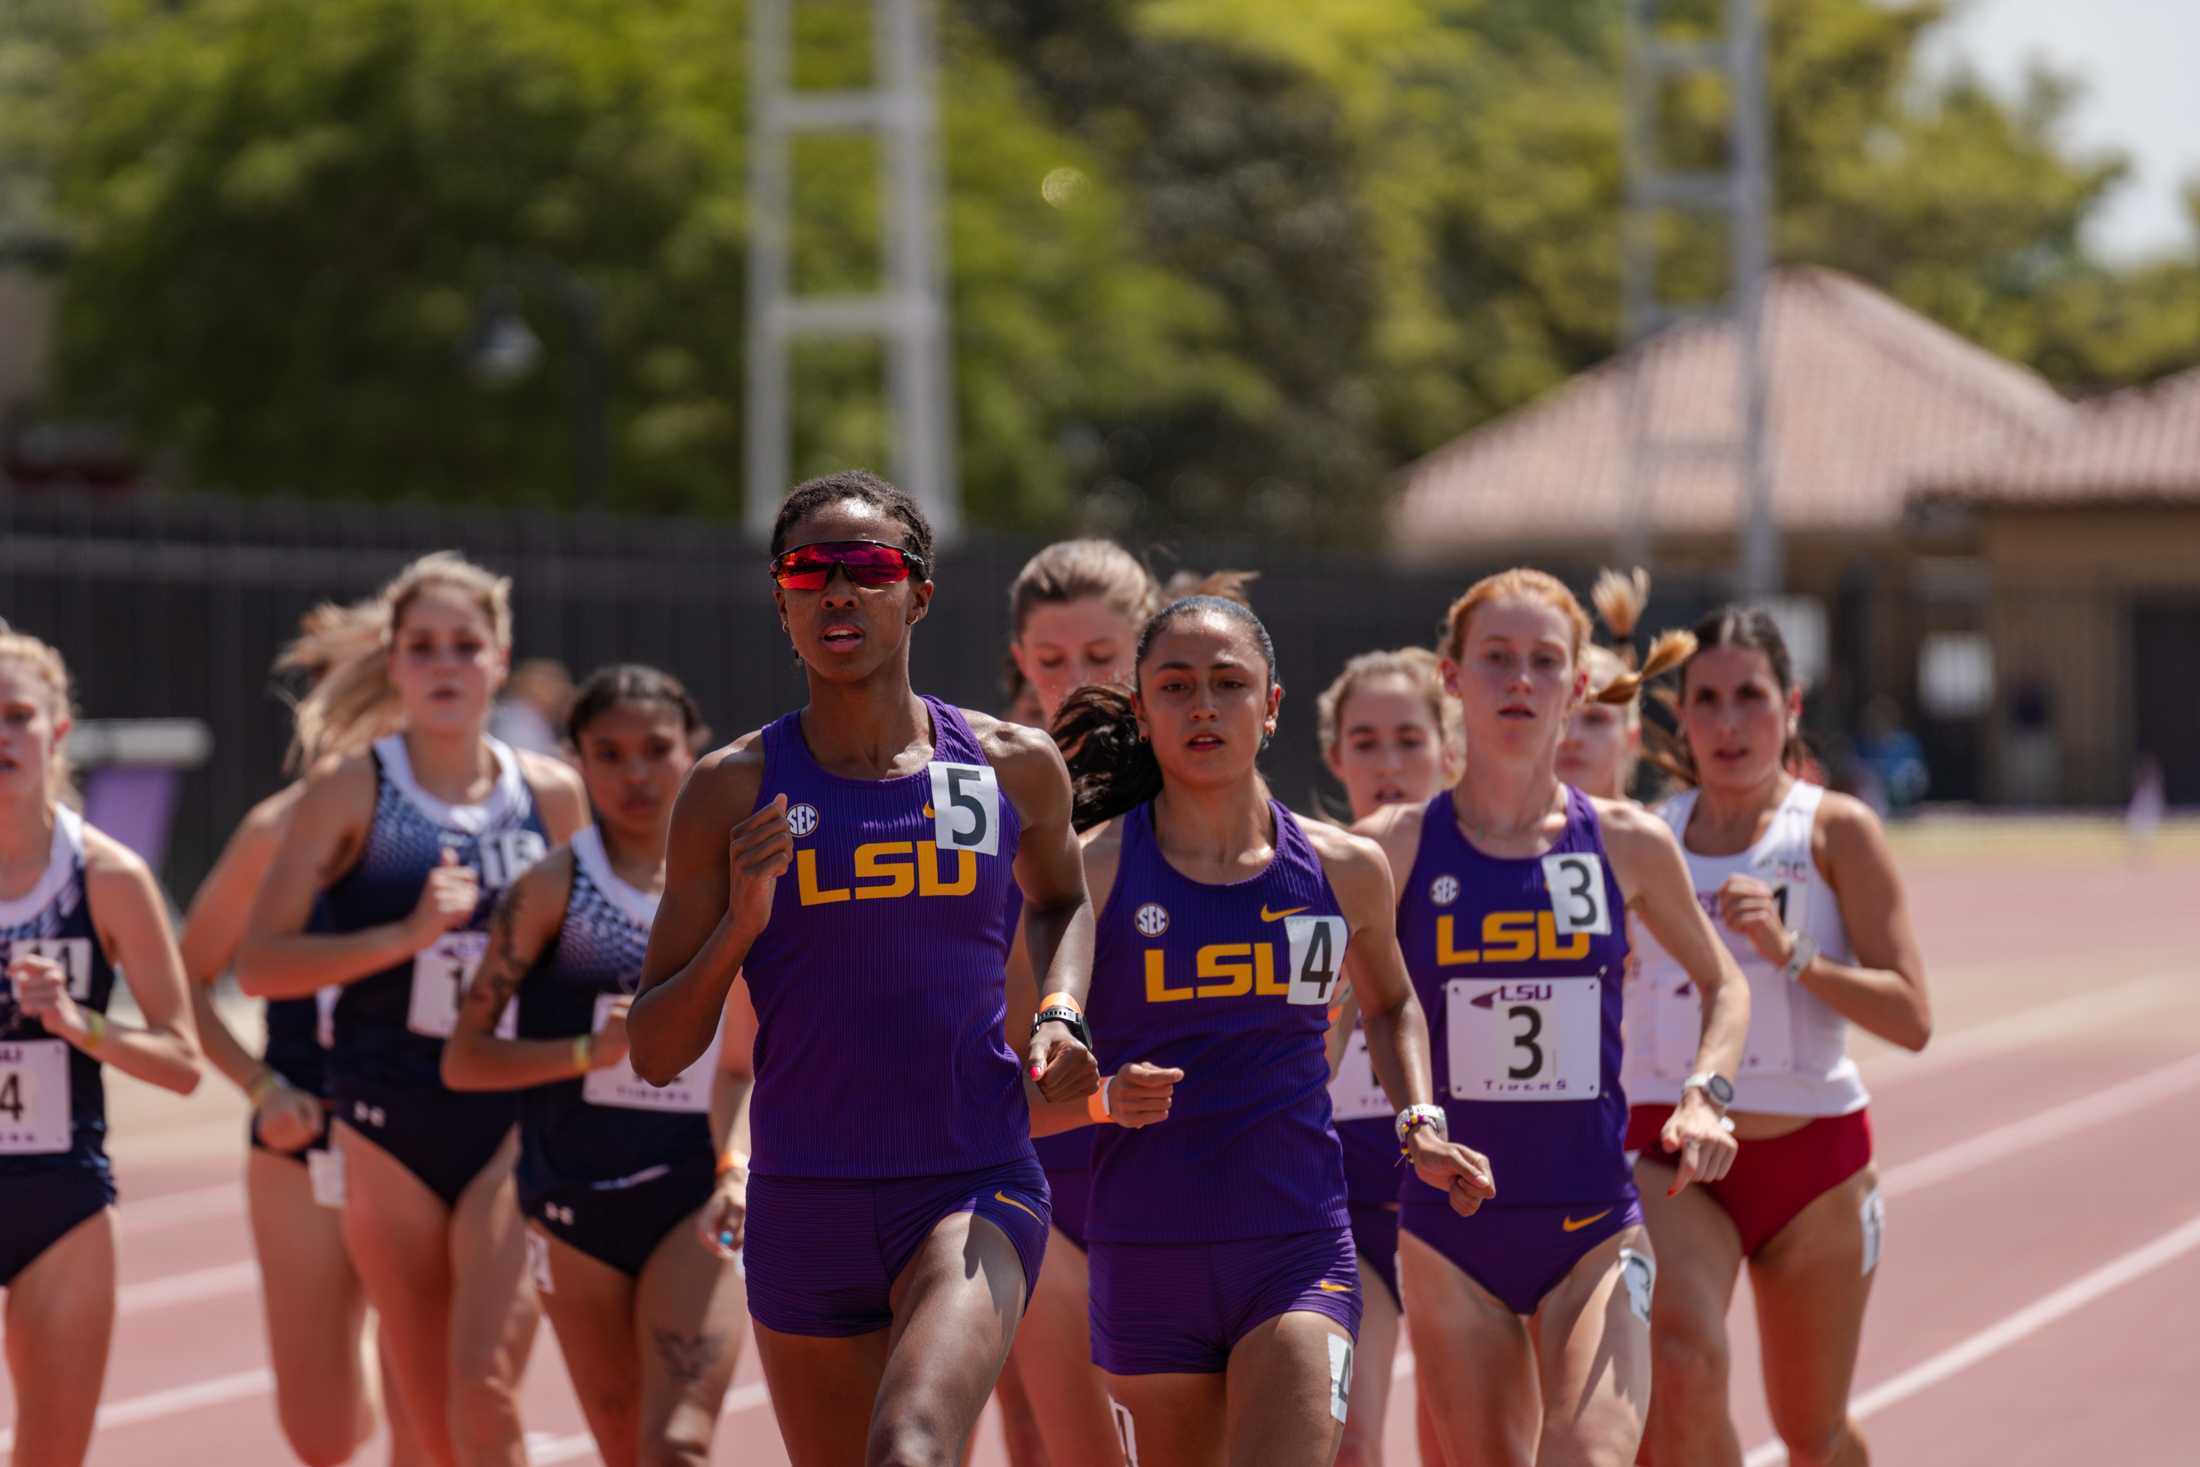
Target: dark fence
{"x":175,"y":608}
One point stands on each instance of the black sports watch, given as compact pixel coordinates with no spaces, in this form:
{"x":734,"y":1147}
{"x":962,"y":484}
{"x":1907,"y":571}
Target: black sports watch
{"x":1068,"y":1017}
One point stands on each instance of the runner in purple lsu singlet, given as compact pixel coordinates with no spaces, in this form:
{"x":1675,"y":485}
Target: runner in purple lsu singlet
{"x":1232,"y":1211}
{"x":886,"y":1096}
{"x":1518,"y":965}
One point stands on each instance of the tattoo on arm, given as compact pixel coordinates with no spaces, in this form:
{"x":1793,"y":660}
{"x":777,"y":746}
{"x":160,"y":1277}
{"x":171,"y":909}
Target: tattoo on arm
{"x":504,"y":964}
{"x":688,"y":1358}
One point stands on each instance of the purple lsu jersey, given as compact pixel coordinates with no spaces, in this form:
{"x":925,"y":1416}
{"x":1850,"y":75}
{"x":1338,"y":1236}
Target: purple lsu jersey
{"x":1232,"y":984}
{"x":1518,"y":966}
{"x":880,"y":983}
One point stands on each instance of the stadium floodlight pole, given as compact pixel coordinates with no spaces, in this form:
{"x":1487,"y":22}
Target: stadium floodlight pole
{"x":909,"y":313}
{"x":1739,"y":193}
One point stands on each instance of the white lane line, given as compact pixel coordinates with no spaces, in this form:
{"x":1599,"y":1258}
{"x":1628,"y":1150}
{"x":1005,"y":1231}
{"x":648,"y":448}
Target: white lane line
{"x":187,"y":1288}
{"x":197,"y":1205}
{"x":2042,"y":1021}
{"x":194,"y":1397}
{"x":2026,"y":1322}
{"x":2037,"y":1130}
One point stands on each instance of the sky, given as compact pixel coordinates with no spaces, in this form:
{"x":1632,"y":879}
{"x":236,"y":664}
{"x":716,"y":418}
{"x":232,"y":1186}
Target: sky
{"x":2140,"y":60}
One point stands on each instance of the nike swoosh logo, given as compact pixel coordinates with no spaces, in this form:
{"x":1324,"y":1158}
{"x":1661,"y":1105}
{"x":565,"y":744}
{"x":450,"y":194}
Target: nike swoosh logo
{"x":1268,"y":916}
{"x":1000,"y":1196}
{"x":1329,"y":1288}
{"x":1574,"y":1227}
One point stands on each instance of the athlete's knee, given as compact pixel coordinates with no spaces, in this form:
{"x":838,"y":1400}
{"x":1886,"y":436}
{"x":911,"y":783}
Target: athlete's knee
{"x":909,"y":1444}
{"x":322,"y":1438}
{"x":680,"y":1447}
{"x":1688,"y":1363}
{"x":1835,"y":1445}
{"x":484,"y":1410}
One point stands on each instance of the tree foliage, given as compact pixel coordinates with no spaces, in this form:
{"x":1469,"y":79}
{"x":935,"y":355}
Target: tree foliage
{"x":1210,"y":259}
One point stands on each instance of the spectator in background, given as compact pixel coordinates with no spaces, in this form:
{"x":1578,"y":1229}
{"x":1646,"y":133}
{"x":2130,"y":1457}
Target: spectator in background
{"x":532,"y":709}
{"x":1892,"y":759}
{"x":2032,"y":758}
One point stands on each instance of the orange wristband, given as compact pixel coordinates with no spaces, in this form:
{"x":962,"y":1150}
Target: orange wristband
{"x":731,"y":1161}
{"x":1096,"y":1106}
{"x":1060,"y":1001}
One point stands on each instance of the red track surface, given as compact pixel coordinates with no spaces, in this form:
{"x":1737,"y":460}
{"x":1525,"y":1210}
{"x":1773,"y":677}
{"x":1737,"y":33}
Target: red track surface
{"x":2038,"y":1303}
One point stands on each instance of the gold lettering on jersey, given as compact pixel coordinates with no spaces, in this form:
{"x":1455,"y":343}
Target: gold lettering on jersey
{"x":1510,"y":937}
{"x":886,"y":869}
{"x":805,"y":875}
{"x":1220,"y":970}
{"x":1157,"y":978}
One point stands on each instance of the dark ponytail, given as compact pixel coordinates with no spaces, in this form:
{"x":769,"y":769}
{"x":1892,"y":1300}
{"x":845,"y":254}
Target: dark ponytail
{"x":631,"y":682}
{"x":1112,"y":770}
{"x":1750,"y":629}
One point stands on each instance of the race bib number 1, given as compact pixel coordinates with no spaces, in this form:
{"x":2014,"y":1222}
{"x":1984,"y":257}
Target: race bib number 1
{"x":1525,"y":1038}
{"x":34,"y":1097}
{"x":441,"y":974}
{"x":618,"y":1085}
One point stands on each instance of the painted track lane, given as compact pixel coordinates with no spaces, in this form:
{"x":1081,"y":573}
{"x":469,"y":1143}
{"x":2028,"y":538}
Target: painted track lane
{"x":2034,"y":1024}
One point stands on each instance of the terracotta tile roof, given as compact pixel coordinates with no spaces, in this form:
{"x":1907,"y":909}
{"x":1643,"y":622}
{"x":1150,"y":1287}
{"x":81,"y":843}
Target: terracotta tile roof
{"x":1864,"y":393}
{"x":2140,"y":446}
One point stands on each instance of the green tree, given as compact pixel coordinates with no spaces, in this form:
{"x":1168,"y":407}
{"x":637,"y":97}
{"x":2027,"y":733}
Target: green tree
{"x":286,"y":219}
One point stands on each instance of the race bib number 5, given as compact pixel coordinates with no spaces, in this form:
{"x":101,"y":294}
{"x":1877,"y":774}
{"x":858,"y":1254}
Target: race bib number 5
{"x":441,"y":973}
{"x":1524,"y":1039}
{"x":34,"y":1097}
{"x":966,"y":808}
{"x":618,"y":1085}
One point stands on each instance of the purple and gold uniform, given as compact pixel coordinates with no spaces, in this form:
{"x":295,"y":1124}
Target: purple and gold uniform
{"x":886,"y":1095}
{"x":385,"y":1064}
{"x":1232,"y":1211}
{"x":1066,"y":1155}
{"x":1368,"y":1129}
{"x":1518,"y":966}
{"x":53,"y":1104}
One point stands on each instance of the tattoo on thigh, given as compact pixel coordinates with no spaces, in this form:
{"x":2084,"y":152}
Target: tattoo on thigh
{"x":688,"y":1358}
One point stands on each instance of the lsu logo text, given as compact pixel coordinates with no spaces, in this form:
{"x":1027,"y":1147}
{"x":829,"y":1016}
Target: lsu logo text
{"x":1510,"y":937}
{"x":1512,"y":993}
{"x":1219,"y":970}
{"x":888,"y":868}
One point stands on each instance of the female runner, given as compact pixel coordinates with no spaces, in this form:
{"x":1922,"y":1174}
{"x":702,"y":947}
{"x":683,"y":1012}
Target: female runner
{"x":1602,"y":746}
{"x":76,"y":910}
{"x":1530,"y":1327}
{"x":634,"y":1189}
{"x":897,"y":1216}
{"x":1076,"y":608}
{"x":1390,"y":734}
{"x":1804,"y":888}
{"x":1225,"y":1292}
{"x":310,"y":1293}
{"x":381,"y":886}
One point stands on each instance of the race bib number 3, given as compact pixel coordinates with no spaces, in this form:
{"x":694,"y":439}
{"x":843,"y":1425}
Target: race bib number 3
{"x":1525,"y":1039}
{"x":440,"y":975}
{"x":1576,"y":880}
{"x":618,"y":1085}
{"x":966,"y":808}
{"x":1317,"y":957}
{"x":34,"y":1097}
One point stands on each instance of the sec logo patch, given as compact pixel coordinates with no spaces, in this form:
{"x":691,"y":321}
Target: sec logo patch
{"x":801,"y":820}
{"x":1152,"y":920}
{"x":1444,"y":890}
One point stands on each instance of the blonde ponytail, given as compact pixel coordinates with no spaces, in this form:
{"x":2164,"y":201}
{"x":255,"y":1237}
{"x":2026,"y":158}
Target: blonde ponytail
{"x":353,"y":702}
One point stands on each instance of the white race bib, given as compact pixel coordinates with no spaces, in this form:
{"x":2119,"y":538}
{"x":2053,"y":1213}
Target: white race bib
{"x":1317,"y":957}
{"x":72,"y":955}
{"x":618,"y":1085}
{"x":441,"y":974}
{"x":1355,"y":1095}
{"x":1576,"y":880}
{"x":324,"y":1015}
{"x":966,"y":808}
{"x":34,"y":1097}
{"x":1525,"y":1038}
{"x":325,"y":1175}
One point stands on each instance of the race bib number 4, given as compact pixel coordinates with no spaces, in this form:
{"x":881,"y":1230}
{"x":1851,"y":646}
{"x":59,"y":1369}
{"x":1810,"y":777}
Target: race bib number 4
{"x":440,"y":975}
{"x":1525,"y":1039}
{"x":1317,"y":957}
{"x":34,"y":1097}
{"x":966,"y":808}
{"x":618,"y":1085}
{"x":1355,"y":1095}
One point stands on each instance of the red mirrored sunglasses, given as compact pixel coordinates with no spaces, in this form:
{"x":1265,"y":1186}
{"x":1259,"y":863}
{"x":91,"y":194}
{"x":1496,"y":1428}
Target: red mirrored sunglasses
{"x":867,"y":562}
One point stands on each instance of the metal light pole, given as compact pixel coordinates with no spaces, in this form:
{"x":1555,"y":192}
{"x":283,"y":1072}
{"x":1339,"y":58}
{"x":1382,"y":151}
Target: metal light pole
{"x":909,"y":313}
